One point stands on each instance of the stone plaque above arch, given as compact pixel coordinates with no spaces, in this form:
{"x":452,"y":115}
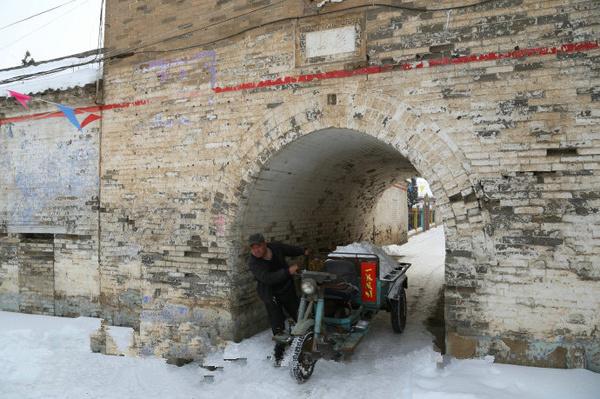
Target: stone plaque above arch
{"x":335,"y":40}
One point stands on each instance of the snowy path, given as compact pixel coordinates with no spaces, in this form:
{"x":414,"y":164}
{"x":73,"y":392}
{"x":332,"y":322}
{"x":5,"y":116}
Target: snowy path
{"x":49,"y":357}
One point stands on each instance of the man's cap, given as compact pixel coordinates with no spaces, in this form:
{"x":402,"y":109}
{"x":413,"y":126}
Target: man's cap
{"x":256,"y":239}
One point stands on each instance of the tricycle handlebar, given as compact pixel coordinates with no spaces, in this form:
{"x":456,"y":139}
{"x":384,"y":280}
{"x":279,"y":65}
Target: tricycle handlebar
{"x":319,"y":277}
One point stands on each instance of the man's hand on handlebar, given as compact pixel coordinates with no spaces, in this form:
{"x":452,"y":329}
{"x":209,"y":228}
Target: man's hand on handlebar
{"x":293,"y":269}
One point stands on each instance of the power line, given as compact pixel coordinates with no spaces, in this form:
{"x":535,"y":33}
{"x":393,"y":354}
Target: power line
{"x":99,"y":49}
{"x":48,"y":23}
{"x":371,"y":4}
{"x":48,"y":72}
{"x":38,"y":14}
{"x":100,"y":26}
{"x":133,"y":50}
{"x":443,"y":9}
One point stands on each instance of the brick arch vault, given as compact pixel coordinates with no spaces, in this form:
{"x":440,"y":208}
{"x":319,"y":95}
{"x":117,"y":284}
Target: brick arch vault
{"x":312,"y":172}
{"x":309,"y":171}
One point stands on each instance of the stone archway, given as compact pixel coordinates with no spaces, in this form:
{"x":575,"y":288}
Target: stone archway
{"x":381,"y":123}
{"x":425,"y":144}
{"x":322,"y":188}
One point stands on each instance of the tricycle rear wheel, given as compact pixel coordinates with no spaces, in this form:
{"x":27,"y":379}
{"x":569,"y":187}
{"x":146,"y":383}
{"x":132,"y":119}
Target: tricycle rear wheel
{"x":303,"y":364}
{"x":399,"y":310}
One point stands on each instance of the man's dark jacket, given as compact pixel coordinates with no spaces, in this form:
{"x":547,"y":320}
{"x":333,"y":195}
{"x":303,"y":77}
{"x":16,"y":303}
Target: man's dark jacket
{"x":273,"y":275}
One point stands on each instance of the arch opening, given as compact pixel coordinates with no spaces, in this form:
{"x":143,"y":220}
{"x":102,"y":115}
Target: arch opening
{"x":321,"y":189}
{"x":325,"y":189}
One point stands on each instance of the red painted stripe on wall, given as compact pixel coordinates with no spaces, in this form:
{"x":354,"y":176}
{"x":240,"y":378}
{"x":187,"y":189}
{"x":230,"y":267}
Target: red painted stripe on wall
{"x":84,"y":110}
{"x":565,"y":48}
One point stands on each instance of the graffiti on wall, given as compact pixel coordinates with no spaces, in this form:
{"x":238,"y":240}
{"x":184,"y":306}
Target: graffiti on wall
{"x":183,"y":67}
{"x":220,"y":224}
{"x":163,"y":121}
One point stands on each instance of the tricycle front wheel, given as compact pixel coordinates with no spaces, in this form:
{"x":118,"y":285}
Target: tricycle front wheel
{"x":303,"y":364}
{"x":399,"y":310}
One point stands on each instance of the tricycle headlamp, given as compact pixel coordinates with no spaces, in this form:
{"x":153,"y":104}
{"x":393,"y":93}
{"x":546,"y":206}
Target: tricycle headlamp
{"x":309,"y":287}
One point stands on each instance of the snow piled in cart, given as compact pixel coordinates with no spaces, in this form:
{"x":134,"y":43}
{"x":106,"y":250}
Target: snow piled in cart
{"x":386,"y":263}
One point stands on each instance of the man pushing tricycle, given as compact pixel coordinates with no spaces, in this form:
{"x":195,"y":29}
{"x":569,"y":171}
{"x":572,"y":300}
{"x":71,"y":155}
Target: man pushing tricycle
{"x":341,"y":292}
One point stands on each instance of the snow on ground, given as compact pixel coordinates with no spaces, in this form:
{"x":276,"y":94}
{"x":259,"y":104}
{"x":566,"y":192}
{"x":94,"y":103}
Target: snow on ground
{"x":49,"y":357}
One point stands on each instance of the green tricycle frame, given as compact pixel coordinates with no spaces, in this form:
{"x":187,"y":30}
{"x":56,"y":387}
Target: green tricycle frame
{"x":341,"y":292}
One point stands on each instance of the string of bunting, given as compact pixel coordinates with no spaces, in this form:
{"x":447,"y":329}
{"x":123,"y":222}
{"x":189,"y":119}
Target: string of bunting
{"x":68,"y":112}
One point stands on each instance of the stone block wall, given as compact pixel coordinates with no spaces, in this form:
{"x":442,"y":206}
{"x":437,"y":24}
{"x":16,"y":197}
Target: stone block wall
{"x":49,"y":206}
{"x":227,"y":117}
{"x":36,"y":273}
{"x":391,"y":215}
{"x":492,"y":103}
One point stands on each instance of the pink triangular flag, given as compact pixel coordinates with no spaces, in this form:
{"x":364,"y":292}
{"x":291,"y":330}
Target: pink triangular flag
{"x":22,"y":98}
{"x":90,"y":118}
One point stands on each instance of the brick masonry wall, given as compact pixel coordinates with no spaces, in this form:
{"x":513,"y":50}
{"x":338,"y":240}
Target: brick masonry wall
{"x":36,"y":273}
{"x":391,"y":215}
{"x":212,"y":107}
{"x":49,"y":207}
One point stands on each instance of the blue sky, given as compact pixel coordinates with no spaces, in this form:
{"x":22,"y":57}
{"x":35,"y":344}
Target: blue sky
{"x":69,"y":29}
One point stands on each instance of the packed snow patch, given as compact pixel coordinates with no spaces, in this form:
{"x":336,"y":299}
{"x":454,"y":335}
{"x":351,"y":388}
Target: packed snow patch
{"x":123,"y":337}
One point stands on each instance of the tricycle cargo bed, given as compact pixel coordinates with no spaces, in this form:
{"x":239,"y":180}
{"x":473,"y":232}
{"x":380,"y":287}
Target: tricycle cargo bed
{"x":374,"y":290}
{"x":316,"y":262}
{"x":397,"y":272}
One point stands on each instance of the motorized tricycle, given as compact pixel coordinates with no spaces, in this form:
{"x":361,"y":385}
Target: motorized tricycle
{"x":340,"y":294}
